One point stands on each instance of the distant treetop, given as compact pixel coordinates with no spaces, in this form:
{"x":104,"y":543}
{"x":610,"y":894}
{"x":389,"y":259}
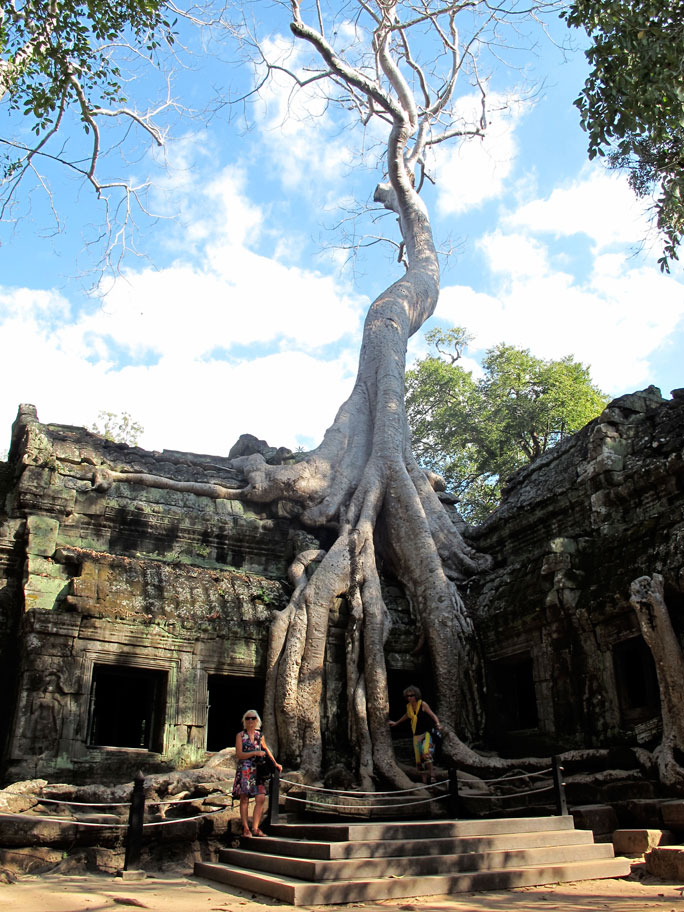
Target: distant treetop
{"x":477,"y":431}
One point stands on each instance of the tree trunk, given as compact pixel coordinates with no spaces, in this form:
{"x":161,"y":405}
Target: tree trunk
{"x":364,"y":479}
{"x":647,"y":596}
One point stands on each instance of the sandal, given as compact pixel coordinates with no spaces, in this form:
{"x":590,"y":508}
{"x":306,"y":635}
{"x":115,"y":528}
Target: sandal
{"x":245,"y":831}
{"x":258,"y":832}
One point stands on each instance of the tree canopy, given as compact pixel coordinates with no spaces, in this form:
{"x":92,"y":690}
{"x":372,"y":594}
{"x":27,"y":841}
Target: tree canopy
{"x":74,"y":62}
{"x":477,"y":431}
{"x":119,"y":427}
{"x":632,"y":104}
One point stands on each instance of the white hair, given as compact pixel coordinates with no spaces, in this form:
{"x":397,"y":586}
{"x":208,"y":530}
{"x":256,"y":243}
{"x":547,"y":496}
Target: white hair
{"x":252,"y":712}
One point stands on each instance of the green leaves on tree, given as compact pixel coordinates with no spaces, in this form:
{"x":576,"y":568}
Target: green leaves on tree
{"x":632,"y":103}
{"x":119,"y":427}
{"x":53,"y":54}
{"x":477,"y":431}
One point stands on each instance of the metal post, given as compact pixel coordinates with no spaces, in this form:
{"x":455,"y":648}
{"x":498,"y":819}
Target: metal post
{"x":454,"y":802}
{"x":273,"y":797}
{"x":559,"y":787}
{"x":136,"y":816}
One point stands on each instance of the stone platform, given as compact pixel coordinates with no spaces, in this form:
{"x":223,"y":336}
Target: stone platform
{"x":308,"y":864}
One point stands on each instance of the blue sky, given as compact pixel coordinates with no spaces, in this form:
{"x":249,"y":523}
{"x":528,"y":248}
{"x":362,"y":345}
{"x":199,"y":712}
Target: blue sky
{"x":244,"y":317}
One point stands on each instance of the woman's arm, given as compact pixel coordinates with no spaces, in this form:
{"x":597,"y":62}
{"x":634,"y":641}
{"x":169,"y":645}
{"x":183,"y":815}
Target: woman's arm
{"x":267,"y":751}
{"x":431,"y":714}
{"x":399,"y":721}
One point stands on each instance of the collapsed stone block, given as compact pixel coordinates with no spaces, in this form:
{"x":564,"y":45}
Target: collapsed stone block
{"x":636,"y":842}
{"x":666,"y":862}
{"x":30,"y":859}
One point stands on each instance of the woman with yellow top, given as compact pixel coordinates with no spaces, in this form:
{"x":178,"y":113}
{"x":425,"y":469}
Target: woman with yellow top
{"x":422,"y":720}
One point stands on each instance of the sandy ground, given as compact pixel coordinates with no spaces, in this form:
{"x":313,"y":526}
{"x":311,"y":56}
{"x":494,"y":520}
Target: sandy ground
{"x":101,"y":893}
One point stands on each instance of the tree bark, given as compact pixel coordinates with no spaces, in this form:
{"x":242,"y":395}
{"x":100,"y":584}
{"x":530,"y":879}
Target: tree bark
{"x":647,"y":596}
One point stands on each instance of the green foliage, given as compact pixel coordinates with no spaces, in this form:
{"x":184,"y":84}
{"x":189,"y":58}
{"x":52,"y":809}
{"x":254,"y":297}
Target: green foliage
{"x":120,"y":428}
{"x":47,"y":47}
{"x":632,"y":104}
{"x":56,"y":55}
{"x":475,"y":432}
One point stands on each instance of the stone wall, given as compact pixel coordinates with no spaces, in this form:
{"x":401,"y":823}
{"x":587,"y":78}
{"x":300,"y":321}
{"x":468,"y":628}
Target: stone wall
{"x":136,"y":581}
{"x":161,"y":601}
{"x":573,"y":531}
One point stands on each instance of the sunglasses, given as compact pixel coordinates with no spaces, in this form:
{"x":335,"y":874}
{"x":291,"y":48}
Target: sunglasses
{"x":250,"y":718}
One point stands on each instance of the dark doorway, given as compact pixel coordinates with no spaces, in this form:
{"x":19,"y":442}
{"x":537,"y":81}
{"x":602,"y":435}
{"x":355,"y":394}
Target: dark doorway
{"x":512,"y":694}
{"x":229,"y":697}
{"x":127,"y":707}
{"x":636,"y":680}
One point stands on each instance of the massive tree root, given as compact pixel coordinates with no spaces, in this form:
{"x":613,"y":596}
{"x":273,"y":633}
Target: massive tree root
{"x":364,"y":482}
{"x":647,"y":596}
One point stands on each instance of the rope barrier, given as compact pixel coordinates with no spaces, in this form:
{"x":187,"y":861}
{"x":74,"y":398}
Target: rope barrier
{"x":115,"y":804}
{"x":90,"y":804}
{"x":521,"y":776}
{"x":363,"y":807}
{"x":352,"y":794}
{"x":42,"y":818}
{"x":39,"y":818}
{"x":182,"y":819}
{"x":388,"y":799}
{"x":548,"y":788}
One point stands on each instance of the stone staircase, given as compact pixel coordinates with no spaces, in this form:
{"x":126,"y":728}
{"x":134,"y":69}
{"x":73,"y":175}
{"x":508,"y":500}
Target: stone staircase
{"x":322,"y":863}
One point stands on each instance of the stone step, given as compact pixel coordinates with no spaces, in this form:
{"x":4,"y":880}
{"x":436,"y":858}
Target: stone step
{"x":298,"y":892}
{"x":424,"y":829}
{"x":411,"y":866}
{"x":301,"y":848}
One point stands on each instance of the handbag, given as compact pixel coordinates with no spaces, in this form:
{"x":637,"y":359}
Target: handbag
{"x":437,"y":736}
{"x":265,"y":767}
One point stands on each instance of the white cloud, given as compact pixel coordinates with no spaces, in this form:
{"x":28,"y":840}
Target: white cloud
{"x":515,"y":256}
{"x":308,"y":143}
{"x":196,"y":406}
{"x":476,"y":170}
{"x":614,"y":321}
{"x":156,"y":346}
{"x":608,"y":308}
{"x":598,"y":203}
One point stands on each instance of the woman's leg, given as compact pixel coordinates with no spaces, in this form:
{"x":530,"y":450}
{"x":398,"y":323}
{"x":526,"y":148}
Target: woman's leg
{"x":428,"y":750}
{"x":258,"y":811}
{"x":417,"y":752}
{"x":244,"y":814}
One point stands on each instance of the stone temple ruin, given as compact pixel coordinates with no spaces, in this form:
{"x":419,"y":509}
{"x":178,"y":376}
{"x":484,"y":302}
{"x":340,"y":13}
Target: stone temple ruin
{"x":160,"y":601}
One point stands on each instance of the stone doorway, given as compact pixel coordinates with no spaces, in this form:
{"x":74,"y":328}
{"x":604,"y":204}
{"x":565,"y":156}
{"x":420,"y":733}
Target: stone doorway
{"x":127,"y":707}
{"x":229,"y":697}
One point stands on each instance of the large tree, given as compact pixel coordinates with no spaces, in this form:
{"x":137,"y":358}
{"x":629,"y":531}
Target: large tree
{"x":477,"y":431}
{"x":398,"y":65}
{"x":632,"y":104}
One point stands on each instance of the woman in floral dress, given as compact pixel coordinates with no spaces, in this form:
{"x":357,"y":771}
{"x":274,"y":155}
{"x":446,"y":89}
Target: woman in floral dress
{"x":250,"y":745}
